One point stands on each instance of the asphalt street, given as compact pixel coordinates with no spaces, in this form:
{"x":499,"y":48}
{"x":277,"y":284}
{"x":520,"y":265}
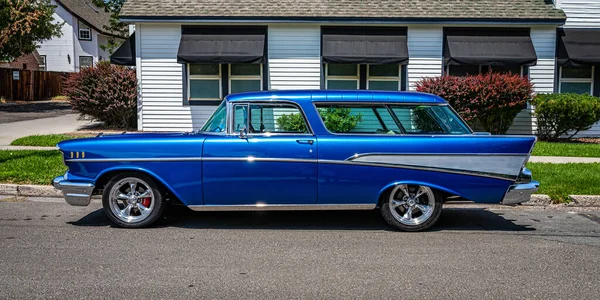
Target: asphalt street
{"x":52,"y":250}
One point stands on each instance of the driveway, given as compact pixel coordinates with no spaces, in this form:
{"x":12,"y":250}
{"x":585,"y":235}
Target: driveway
{"x":14,"y":112}
{"x":51,"y":250}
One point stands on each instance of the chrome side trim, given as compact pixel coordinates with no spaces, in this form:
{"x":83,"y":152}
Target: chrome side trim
{"x":75,"y":193}
{"x":282,"y":207}
{"x":127,"y":159}
{"x":355,"y":156}
{"x":519,"y":193}
{"x":485,"y":164}
{"x":262,"y":159}
{"x":420,"y":168}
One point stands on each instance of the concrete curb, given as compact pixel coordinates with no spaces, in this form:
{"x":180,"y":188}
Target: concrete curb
{"x":49,"y":191}
{"x":29,"y":190}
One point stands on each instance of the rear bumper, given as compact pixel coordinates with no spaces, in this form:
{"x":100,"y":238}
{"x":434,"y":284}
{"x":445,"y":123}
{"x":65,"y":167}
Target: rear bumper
{"x":75,"y":193}
{"x":520,"y":192}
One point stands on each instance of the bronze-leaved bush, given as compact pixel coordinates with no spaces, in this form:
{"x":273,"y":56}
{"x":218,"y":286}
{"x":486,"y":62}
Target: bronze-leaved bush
{"x":493,"y":99}
{"x":106,"y":93}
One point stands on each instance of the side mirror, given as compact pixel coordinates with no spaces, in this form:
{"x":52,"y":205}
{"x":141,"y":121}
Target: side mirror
{"x":244,"y":133}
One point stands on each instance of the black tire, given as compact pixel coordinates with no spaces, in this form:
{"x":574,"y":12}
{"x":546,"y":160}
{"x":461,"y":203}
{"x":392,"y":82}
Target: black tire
{"x":388,"y":216}
{"x":158,"y":199}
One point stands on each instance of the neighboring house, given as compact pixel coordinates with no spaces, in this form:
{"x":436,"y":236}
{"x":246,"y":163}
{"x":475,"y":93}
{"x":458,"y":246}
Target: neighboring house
{"x":32,"y":62}
{"x":189,"y":54}
{"x":82,"y":34}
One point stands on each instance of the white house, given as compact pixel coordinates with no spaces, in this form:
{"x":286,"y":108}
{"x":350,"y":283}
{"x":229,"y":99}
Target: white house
{"x":189,"y":54}
{"x":82,"y":34}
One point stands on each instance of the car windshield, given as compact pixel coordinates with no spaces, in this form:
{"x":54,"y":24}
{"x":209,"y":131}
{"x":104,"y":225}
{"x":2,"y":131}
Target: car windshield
{"x":217,"y":122}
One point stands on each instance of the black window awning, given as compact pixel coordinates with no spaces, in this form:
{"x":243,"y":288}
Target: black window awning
{"x":489,"y":47}
{"x":225,"y":44}
{"x":125,"y":54}
{"x":377,"y":45}
{"x":578,"y":47}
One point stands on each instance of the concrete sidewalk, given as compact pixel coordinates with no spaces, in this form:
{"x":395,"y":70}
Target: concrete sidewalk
{"x":62,"y":124}
{"x":563,"y":159}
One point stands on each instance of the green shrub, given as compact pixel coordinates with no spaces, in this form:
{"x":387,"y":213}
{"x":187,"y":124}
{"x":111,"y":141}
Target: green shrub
{"x":560,"y":114}
{"x":106,"y":93}
{"x":292,"y":123}
{"x":339,"y":119}
{"x":493,"y":99}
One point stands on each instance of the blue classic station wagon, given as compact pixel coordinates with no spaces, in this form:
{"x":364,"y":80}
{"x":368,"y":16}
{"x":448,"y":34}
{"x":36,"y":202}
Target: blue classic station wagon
{"x":403,"y":153}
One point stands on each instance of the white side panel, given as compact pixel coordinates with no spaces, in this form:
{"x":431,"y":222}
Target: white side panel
{"x":425,"y":53}
{"x":161,"y":87}
{"x":541,"y":75}
{"x":59,"y":50}
{"x":294,"y":57}
{"x":581,"y":13}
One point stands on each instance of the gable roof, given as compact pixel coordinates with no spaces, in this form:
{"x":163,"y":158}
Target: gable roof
{"x":89,"y":13}
{"x":307,"y":10}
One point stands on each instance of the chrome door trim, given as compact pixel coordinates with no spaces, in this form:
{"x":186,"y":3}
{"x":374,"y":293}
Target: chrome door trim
{"x":282,"y":207}
{"x":262,"y":159}
{"x":129,"y":159}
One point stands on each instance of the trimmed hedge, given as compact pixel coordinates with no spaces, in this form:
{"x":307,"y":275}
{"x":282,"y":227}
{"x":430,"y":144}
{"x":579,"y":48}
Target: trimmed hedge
{"x":560,"y":114}
{"x":493,"y":99}
{"x":106,"y":93}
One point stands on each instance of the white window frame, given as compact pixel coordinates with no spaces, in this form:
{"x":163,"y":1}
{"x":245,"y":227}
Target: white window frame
{"x":576,"y":80}
{"x":480,"y":69}
{"x":245,"y":77}
{"x":344,"y":78}
{"x":43,"y":66}
{"x":206,"y":77}
{"x":82,"y":27}
{"x":385,"y":78}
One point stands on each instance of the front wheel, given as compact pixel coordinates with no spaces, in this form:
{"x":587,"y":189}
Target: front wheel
{"x":412,"y":207}
{"x":132,"y":200}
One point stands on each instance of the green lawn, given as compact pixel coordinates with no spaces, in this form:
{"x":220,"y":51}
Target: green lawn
{"x":566,"y":149}
{"x":48,"y":140}
{"x":561,"y":180}
{"x":30,"y":167}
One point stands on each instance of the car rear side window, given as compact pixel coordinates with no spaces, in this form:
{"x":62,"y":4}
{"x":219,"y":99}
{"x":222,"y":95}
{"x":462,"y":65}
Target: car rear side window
{"x":362,"y":119}
{"x":368,"y":118}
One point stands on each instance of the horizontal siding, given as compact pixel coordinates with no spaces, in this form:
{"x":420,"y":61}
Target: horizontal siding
{"x":425,"y":51}
{"x":294,"y":57}
{"x":161,"y":76}
{"x":581,"y":13}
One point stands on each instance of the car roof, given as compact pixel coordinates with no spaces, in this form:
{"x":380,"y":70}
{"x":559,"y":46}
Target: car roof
{"x":337,"y":96}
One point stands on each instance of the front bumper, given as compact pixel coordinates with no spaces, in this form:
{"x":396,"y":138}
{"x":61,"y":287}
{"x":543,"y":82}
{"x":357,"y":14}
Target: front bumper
{"x":75,"y":193}
{"x":520,"y":192}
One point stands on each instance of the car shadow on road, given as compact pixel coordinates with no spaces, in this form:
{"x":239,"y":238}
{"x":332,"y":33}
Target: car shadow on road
{"x":468,"y":219}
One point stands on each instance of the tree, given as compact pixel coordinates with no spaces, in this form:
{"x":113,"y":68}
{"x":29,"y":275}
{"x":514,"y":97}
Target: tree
{"x":115,"y":25}
{"x":23,"y":25}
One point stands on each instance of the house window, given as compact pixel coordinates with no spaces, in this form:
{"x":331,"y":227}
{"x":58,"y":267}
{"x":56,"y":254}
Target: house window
{"x":85,"y":61}
{"x":341,"y":77}
{"x":204,"y":81}
{"x":85,"y":33}
{"x":42,"y":63}
{"x":245,"y":78}
{"x":349,"y":77}
{"x":383,"y":77}
{"x":576,"y":80}
{"x":464,"y":70}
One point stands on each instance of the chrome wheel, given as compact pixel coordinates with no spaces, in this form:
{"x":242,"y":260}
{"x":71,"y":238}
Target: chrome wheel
{"x":411,"y":204}
{"x":131,"y":200}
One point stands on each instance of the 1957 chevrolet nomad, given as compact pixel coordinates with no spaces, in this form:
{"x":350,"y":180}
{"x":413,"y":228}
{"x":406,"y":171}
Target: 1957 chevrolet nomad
{"x":404,"y":153}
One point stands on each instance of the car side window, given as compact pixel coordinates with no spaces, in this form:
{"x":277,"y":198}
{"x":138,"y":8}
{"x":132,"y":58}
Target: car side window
{"x":360,"y":118}
{"x":276,"y":118}
{"x":240,"y":117}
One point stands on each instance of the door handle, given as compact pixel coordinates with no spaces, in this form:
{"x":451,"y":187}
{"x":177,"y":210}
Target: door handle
{"x":310,"y":142}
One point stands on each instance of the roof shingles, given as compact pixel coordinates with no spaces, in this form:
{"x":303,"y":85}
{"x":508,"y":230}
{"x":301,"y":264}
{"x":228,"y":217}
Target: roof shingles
{"x":381,"y":9}
{"x":89,"y":13}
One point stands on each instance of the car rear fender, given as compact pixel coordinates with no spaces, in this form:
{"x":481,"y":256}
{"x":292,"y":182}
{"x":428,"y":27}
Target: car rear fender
{"x":433,"y":186}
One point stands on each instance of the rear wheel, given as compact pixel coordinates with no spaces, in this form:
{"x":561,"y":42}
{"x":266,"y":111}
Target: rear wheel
{"x":132,"y":200}
{"x":412,"y":207}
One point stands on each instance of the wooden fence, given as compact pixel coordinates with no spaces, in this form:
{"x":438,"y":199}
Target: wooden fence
{"x":28,"y":85}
